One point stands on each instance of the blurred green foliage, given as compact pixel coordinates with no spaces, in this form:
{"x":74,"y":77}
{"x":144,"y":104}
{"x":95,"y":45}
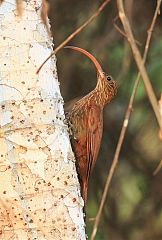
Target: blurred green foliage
{"x":133,"y":209}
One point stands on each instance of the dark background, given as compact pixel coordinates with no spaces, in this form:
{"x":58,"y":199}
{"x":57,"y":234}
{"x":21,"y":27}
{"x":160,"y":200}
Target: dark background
{"x":133,"y":209}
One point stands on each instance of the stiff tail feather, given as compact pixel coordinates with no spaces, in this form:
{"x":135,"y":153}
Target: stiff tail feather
{"x":84,"y":188}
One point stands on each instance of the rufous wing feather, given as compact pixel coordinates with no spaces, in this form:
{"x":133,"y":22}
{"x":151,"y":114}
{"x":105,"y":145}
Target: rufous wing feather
{"x":94,"y":134}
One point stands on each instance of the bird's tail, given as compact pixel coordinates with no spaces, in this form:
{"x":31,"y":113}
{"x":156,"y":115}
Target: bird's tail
{"x":84,"y":189}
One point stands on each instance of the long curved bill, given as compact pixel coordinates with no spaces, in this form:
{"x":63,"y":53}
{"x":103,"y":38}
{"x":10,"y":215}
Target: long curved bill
{"x":93,"y":59}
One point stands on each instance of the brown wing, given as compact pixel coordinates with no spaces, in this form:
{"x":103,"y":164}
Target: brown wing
{"x":94,"y":134}
{"x":87,"y":130}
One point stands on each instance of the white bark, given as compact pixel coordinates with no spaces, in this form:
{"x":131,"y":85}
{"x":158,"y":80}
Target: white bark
{"x":39,"y":189}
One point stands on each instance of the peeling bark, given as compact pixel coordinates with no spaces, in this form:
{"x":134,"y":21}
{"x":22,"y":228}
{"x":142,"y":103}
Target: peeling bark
{"x":39,"y":188}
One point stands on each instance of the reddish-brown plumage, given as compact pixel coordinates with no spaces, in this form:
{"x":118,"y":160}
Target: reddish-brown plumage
{"x":86,"y":120}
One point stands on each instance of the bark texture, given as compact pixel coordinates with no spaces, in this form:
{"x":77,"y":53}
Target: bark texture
{"x":39,"y":189}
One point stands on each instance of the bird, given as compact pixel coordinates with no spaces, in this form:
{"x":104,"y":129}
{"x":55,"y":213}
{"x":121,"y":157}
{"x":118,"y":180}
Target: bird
{"x":85,"y":119}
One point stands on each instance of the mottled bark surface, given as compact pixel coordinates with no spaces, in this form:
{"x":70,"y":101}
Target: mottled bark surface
{"x":39,"y":189}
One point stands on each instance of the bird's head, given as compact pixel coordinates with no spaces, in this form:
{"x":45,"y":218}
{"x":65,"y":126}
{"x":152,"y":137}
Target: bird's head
{"x":105,"y":83}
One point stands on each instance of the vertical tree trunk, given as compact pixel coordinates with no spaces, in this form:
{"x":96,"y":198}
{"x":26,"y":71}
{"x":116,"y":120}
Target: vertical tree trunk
{"x":39,"y":189}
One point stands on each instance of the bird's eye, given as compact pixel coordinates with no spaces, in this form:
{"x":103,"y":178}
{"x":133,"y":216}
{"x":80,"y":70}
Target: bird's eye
{"x":109,"y":78}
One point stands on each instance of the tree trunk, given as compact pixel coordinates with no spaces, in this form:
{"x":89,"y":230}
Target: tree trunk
{"x":39,"y":189}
